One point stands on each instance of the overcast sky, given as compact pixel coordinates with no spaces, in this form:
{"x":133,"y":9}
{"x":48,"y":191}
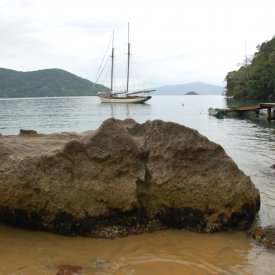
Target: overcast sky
{"x":173,"y":42}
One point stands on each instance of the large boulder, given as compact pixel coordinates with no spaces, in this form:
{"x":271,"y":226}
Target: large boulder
{"x":123,"y":178}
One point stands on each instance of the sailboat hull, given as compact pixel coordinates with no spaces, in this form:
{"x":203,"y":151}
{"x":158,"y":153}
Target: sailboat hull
{"x":126,"y":99}
{"x":125,"y":96}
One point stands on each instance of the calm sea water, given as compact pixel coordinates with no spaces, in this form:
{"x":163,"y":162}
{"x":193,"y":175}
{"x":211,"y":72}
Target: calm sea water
{"x":249,"y":141}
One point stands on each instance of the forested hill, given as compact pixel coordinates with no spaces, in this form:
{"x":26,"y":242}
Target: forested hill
{"x":256,"y":78}
{"x":49,"y":82}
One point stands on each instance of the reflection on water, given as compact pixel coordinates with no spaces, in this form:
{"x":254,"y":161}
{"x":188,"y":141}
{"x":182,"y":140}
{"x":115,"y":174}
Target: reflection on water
{"x":48,"y":115}
{"x":250,"y":142}
{"x":258,"y":118}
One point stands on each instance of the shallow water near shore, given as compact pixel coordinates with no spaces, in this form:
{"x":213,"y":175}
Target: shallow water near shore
{"x":164,"y":252}
{"x":249,"y":141}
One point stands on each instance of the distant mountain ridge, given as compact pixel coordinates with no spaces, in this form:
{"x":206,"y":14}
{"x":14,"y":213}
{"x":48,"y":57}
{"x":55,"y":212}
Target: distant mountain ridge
{"x":57,"y":82}
{"x":197,"y":87}
{"x":43,"y":83}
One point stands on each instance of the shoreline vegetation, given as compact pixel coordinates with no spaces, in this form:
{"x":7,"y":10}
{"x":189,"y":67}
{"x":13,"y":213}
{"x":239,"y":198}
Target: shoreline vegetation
{"x":255,"y":79}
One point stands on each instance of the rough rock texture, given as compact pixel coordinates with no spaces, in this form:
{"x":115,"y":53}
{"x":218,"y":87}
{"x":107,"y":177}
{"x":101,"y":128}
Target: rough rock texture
{"x":264,"y":235}
{"x":123,"y":178}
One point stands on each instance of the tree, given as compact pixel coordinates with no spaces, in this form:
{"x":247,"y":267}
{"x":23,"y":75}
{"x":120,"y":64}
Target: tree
{"x":257,"y":78}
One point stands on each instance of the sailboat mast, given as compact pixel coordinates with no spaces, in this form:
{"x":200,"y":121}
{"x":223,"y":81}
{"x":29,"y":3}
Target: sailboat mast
{"x":128,"y":64}
{"x":112,"y":66}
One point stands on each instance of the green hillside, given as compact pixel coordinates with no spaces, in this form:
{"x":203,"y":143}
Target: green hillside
{"x":42,"y":83}
{"x":255,"y":79}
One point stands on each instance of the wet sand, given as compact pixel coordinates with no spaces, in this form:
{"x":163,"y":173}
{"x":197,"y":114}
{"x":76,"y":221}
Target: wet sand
{"x":165,"y":252}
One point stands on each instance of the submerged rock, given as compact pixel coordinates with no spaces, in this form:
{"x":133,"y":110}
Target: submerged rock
{"x":264,"y":235}
{"x":69,"y":270}
{"x":123,"y":178}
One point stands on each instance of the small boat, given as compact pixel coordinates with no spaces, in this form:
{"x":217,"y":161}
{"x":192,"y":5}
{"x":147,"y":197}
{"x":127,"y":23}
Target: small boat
{"x":218,"y":113}
{"x":126,"y":96}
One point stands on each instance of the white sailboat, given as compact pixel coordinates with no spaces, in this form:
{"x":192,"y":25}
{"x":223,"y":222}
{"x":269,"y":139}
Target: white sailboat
{"x":123,"y":96}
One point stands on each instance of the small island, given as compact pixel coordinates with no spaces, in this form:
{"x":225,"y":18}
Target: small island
{"x":191,"y":93}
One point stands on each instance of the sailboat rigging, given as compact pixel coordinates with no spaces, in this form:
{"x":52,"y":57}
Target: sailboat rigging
{"x":123,"y":96}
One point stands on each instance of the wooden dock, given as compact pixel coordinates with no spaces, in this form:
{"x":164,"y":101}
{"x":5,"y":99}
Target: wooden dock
{"x":256,"y":108}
